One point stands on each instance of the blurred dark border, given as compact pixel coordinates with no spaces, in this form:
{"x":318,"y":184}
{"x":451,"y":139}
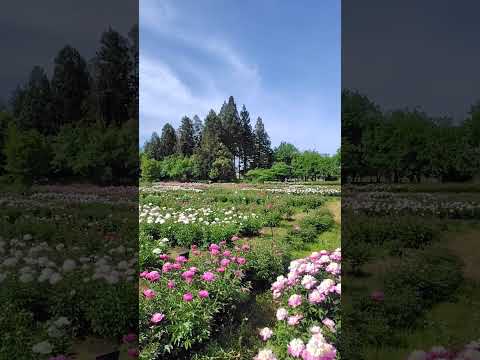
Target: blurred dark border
{"x":69,"y":170}
{"x":410,"y":179}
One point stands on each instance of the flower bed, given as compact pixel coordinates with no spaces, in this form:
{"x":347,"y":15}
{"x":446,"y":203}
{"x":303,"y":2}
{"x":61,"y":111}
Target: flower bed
{"x":180,"y":299}
{"x":471,"y":351}
{"x":196,"y":226}
{"x":308,"y":314}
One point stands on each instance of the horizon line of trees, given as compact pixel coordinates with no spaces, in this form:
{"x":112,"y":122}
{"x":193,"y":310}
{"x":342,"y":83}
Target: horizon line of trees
{"x":406,"y":145}
{"x":80,"y":122}
{"x":225,"y":147}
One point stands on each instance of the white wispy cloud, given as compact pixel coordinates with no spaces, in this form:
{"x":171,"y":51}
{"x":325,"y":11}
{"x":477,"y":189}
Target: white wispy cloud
{"x":173,"y":83}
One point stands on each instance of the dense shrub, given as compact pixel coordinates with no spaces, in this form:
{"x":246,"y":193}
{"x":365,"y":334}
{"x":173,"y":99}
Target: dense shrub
{"x":396,"y":232}
{"x":265,"y":261}
{"x":308,"y":310}
{"x":432,"y":275}
{"x":178,"y":308}
{"x":27,"y":155}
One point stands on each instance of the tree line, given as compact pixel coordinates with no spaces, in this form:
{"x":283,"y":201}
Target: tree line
{"x":224,"y":147}
{"x":80,"y":122}
{"x":406,"y":145}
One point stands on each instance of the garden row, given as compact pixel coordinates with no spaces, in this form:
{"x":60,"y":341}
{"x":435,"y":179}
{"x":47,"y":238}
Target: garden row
{"x":67,"y":270}
{"x":204,"y":255}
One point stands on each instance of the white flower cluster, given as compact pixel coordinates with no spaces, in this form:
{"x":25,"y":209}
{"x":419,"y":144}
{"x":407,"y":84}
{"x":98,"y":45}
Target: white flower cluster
{"x":28,"y":261}
{"x":155,"y":215}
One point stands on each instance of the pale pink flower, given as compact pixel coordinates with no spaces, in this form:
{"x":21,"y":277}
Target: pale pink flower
{"x":282,"y":314}
{"x":157,"y":318}
{"x":296,"y":347}
{"x":329,"y":323}
{"x":294,"y":320}
{"x":266,"y":333}
{"x":295,"y":300}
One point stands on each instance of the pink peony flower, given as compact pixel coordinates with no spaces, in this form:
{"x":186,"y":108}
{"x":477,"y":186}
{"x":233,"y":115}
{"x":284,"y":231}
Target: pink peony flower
{"x":177,"y":266}
{"x":188,"y":275}
{"x":221,"y":269}
{"x":203,"y":294}
{"x":316,"y":297}
{"x":235,"y":238}
{"x":296,"y":347}
{"x":167,"y":267}
{"x":294,"y":320}
{"x":163,"y":257}
{"x":227,"y":253}
{"x":329,"y":323}
{"x":245,"y":247}
{"x":295,"y":300}
{"x":282,"y":314}
{"x":265,"y":354}
{"x":224,"y":262}
{"x":181,"y":259}
{"x":187,"y":297}
{"x":208,"y":276}
{"x":157,"y":318}
{"x":149,"y":293}
{"x":170,"y":284}
{"x":153,"y":276}
{"x":241,"y":260}
{"x":213,"y":247}
{"x":266,"y":333}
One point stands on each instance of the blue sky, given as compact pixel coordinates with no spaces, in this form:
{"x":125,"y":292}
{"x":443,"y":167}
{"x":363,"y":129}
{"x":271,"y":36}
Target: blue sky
{"x":279,"y":58}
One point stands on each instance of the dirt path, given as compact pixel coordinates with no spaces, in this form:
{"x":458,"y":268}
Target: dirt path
{"x":466,"y":245}
{"x":336,"y":211}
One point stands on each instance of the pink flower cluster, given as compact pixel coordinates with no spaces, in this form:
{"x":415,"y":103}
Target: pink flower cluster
{"x":179,"y":273}
{"x":471,"y":351}
{"x":311,"y":282}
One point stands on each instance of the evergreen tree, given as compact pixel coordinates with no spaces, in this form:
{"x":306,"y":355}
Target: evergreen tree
{"x":153,"y":147}
{"x":263,"y":155}
{"x":113,"y":69}
{"x":34,"y":104}
{"x":212,"y":132}
{"x":197,"y":131}
{"x":70,"y":85}
{"x":168,"y":141}
{"x":231,"y":127}
{"x":247,"y":139}
{"x":134,"y":75}
{"x":186,"y":142}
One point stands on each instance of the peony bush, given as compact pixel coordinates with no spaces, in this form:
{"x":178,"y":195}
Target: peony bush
{"x":308,"y":313}
{"x":181,"y":298}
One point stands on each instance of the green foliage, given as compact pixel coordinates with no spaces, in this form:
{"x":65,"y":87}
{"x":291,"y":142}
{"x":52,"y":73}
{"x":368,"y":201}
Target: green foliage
{"x":104,"y":154}
{"x":151,"y":169}
{"x":27,"y":155}
{"x":285,"y":152}
{"x":404,"y":145}
{"x":266,"y":259}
